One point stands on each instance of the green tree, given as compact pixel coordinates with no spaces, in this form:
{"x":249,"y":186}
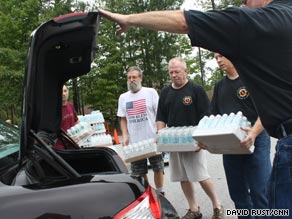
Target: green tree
{"x":201,"y":74}
{"x":147,"y":49}
{"x":18,"y":18}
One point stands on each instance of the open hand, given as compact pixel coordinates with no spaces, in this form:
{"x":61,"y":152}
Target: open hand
{"x":121,"y":19}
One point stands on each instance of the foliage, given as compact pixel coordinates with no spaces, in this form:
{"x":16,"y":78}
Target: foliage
{"x":227,"y":3}
{"x":18,"y":18}
{"x":150,"y":50}
{"x":102,"y":86}
{"x":202,"y":74}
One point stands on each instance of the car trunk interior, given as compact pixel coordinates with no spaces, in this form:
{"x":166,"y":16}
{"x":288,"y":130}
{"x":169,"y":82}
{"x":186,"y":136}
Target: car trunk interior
{"x":92,"y":161}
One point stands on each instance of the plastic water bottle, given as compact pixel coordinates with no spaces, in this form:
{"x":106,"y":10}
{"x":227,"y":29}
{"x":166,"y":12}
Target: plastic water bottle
{"x":176,"y":135}
{"x":160,"y":136}
{"x":222,"y":120}
{"x":171,"y":136}
{"x":189,"y":134}
{"x":203,"y":122}
{"x":229,"y":119}
{"x":209,"y":121}
{"x":237,"y":119}
{"x":213,"y":124}
{"x":185,"y":135}
{"x":243,"y":122}
{"x":180,"y":135}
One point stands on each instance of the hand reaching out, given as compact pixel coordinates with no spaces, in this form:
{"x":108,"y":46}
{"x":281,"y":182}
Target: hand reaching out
{"x":119,"y":18}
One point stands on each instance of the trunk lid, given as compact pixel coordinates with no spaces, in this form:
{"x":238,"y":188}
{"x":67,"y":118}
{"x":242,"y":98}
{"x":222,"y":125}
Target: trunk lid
{"x":60,"y":49}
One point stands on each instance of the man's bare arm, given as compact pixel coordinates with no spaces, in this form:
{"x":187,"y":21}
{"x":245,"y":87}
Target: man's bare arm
{"x":160,"y":125}
{"x":124,"y":129}
{"x":169,"y":21}
{"x":252,"y":133}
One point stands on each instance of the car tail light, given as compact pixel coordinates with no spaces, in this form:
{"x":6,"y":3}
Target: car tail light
{"x":147,"y":206}
{"x":69,"y":17}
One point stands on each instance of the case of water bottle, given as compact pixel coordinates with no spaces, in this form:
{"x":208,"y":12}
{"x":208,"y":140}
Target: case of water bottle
{"x":96,"y":140}
{"x":176,"y":139}
{"x":223,"y":134}
{"x":94,"y":131}
{"x":80,"y":131}
{"x":96,"y":121}
{"x":140,"y":150}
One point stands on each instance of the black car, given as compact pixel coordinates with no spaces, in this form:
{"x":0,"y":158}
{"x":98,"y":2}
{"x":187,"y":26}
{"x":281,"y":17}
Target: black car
{"x":37,"y":181}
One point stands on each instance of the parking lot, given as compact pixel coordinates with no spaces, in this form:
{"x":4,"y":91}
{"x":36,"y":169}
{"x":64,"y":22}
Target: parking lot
{"x":216,"y":171}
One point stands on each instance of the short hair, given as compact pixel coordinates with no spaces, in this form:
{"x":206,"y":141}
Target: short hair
{"x":135,"y":68}
{"x":181,"y":60}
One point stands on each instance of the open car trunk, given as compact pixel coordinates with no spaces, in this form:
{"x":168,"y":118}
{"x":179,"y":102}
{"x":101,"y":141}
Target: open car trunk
{"x":91,"y":161}
{"x":60,"y":49}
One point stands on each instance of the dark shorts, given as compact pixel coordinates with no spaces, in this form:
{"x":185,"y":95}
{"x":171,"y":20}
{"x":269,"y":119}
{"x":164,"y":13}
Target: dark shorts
{"x":140,"y":167}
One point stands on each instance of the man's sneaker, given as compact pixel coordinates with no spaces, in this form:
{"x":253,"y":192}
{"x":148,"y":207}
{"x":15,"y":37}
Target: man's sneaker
{"x":193,"y":214}
{"x":218,"y":213}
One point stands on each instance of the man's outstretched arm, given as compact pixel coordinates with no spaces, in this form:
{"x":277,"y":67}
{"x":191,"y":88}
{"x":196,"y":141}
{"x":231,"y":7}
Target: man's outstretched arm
{"x":169,"y":21}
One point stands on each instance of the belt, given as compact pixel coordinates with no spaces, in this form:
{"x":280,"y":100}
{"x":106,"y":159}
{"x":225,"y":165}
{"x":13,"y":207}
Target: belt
{"x":284,"y":129}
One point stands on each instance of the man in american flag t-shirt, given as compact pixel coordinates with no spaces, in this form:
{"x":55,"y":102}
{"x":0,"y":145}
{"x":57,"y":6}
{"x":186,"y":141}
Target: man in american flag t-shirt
{"x":137,"y":110}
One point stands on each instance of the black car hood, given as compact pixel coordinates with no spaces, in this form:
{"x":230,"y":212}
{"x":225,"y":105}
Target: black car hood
{"x":60,"y":49}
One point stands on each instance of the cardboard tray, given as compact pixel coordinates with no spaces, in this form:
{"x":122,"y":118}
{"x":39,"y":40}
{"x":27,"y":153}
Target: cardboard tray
{"x":142,"y":156}
{"x":177,"y":147}
{"x":223,"y":140}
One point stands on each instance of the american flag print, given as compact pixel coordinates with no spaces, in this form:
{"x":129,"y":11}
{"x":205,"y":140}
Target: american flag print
{"x":136,"y":107}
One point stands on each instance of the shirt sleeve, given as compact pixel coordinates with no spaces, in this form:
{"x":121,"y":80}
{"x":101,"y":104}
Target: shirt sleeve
{"x":215,"y":30}
{"x":121,"y":109}
{"x":204,"y":103}
{"x":155,"y":101}
{"x":161,"y":111}
{"x":75,"y":117}
{"x":213,"y":106}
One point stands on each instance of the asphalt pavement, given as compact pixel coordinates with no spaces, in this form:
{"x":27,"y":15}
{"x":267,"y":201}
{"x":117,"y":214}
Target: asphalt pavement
{"x":215,"y":167}
{"x":175,"y":195}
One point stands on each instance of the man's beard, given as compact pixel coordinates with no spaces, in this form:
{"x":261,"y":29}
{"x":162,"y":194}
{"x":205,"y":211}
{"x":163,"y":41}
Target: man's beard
{"x":134,"y":86}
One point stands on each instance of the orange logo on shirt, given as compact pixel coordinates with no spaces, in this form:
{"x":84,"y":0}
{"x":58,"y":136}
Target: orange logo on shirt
{"x":187,"y":100}
{"x":242,"y":93}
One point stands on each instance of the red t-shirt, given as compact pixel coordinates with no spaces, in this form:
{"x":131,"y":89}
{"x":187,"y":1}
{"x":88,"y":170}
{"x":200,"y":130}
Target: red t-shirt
{"x":69,"y":119}
{"x":69,"y":116}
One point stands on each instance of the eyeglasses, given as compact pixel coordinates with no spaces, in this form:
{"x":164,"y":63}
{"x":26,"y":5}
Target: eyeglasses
{"x":133,"y":77}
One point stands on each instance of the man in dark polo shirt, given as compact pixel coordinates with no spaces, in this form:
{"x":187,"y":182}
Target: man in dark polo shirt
{"x":257,"y":39}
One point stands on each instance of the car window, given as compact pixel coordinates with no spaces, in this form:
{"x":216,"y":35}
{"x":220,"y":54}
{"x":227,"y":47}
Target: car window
{"x":9,"y":139}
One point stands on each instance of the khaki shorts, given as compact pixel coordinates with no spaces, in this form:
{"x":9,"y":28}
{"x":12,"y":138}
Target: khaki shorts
{"x":140,"y":167}
{"x":188,"y":166}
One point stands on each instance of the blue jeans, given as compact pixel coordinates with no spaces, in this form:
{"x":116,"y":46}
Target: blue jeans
{"x":248,"y":175}
{"x":280,"y":184}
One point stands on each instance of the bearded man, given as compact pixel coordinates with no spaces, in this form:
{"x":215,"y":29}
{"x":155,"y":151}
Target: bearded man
{"x":137,"y":110}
